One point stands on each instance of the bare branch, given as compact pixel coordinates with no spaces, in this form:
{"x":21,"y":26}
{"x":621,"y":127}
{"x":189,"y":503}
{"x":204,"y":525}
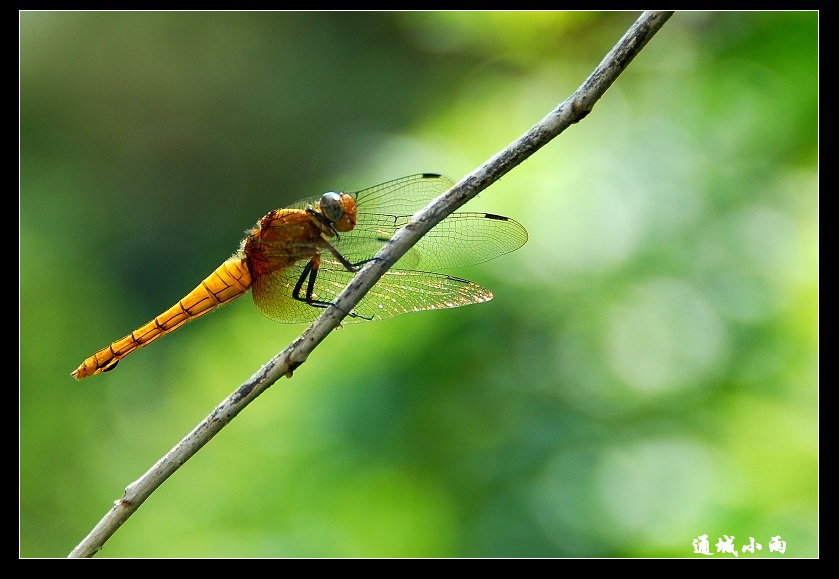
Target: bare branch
{"x":571,"y":111}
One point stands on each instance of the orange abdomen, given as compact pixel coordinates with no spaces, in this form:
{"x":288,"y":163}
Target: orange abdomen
{"x":230,"y":280}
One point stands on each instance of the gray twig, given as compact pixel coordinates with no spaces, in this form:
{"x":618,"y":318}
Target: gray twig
{"x":571,"y":111}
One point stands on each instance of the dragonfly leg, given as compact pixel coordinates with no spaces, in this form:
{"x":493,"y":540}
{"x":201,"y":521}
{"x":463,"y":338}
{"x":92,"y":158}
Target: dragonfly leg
{"x":309,"y":276}
{"x":348,"y":265}
{"x":310,"y":273}
{"x":357,"y":265}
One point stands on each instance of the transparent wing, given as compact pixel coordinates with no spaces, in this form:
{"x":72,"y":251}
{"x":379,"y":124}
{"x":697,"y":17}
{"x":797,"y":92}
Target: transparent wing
{"x":462,"y":239}
{"x":397,"y":292}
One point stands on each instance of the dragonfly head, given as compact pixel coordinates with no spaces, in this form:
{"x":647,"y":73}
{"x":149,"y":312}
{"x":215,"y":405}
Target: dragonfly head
{"x":339,"y":209}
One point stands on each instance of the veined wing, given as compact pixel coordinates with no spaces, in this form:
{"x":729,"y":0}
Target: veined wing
{"x":463,"y":238}
{"x":397,"y":292}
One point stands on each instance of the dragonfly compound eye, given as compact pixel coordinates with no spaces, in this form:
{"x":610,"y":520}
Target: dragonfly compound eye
{"x":331,"y":206}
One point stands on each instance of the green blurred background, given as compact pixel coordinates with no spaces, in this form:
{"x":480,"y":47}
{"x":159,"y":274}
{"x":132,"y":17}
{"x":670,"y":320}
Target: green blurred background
{"x":647,"y":372}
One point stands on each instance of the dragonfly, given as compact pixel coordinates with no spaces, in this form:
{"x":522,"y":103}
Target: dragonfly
{"x":297,"y":259}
